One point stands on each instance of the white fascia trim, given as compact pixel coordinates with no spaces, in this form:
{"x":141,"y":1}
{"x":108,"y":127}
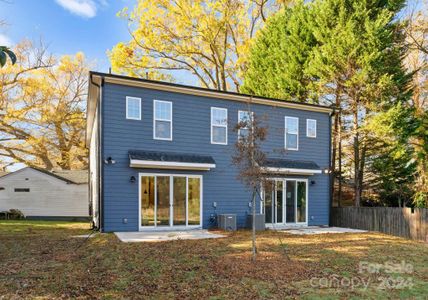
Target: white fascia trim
{"x":292,"y":171}
{"x":136,"y":163}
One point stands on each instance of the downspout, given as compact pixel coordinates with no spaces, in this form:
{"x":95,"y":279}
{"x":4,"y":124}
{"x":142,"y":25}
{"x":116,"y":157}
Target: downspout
{"x":330,"y":163}
{"x":99,"y":166}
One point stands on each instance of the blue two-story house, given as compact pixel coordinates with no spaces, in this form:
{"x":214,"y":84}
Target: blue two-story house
{"x":161,"y":156}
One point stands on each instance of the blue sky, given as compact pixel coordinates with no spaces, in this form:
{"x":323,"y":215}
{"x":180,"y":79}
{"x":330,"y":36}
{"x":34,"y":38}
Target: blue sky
{"x":67,"y":26}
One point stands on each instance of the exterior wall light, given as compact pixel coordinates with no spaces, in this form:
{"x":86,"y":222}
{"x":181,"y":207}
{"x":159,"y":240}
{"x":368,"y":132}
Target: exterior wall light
{"x":109,"y":161}
{"x":313,"y":182}
{"x":132,"y":179}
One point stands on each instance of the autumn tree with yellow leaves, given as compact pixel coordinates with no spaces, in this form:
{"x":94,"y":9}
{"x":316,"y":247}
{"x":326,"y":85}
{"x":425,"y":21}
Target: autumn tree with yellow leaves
{"x":42,"y":109}
{"x":210,"y":39}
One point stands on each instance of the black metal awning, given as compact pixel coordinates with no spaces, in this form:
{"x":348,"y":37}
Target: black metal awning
{"x":287,"y":166}
{"x":170,"y":160}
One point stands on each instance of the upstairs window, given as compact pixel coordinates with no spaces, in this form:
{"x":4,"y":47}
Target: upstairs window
{"x":133,"y":108}
{"x":311,"y":128}
{"x":244,"y":116}
{"x":291,"y":133}
{"x":218,"y":126}
{"x":162,"y":121}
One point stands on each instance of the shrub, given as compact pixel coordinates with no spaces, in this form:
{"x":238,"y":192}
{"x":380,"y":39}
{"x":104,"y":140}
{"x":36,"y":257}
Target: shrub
{"x":15,"y":214}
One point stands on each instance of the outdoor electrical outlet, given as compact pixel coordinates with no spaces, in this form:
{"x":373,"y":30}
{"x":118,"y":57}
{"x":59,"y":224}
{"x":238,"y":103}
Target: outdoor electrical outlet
{"x":214,"y":204}
{"x":125,"y":221}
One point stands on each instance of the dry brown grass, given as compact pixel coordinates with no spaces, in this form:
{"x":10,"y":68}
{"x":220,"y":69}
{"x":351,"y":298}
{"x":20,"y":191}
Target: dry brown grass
{"x":42,"y":259}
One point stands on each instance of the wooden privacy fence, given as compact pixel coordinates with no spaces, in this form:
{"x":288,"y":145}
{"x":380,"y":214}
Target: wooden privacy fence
{"x":403,"y":222}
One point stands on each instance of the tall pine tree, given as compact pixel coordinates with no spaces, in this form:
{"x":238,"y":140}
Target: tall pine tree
{"x":279,"y":54}
{"x":347,"y":53}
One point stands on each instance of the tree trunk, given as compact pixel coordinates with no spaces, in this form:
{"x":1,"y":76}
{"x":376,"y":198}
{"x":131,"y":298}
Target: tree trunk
{"x":339,"y":198}
{"x":334,"y":147}
{"x":361,"y":168}
{"x":333,"y":158}
{"x":253,"y":206}
{"x":357,"y":188}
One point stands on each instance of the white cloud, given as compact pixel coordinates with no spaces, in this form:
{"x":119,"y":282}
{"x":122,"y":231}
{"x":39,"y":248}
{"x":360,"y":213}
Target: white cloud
{"x":82,"y":8}
{"x":5,"y":41}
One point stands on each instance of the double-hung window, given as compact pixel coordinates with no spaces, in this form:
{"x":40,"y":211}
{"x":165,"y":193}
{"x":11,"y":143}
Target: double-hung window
{"x":162,"y":121}
{"x":218,"y":125}
{"x":291,"y":133}
{"x":244,"y":121}
{"x":311,"y":128}
{"x":133,"y":108}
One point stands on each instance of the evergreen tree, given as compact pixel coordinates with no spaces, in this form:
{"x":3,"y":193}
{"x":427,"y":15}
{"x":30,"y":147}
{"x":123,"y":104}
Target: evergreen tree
{"x":390,"y":165}
{"x":279,"y":54}
{"x":350,"y":55}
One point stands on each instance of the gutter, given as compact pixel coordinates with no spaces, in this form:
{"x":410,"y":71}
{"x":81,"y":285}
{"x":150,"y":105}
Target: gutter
{"x":209,"y":93}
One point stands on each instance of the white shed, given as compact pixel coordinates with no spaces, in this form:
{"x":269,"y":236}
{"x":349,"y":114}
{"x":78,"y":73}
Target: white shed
{"x":46,"y":195}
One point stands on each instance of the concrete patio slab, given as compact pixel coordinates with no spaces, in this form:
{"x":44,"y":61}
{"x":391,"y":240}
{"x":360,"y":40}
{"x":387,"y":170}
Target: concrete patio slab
{"x":321,"y":230}
{"x":161,"y":236}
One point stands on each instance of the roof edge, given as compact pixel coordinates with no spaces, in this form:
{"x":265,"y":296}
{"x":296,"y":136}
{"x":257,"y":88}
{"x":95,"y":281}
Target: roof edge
{"x":44,"y":172}
{"x":97,"y":79}
{"x":187,"y":89}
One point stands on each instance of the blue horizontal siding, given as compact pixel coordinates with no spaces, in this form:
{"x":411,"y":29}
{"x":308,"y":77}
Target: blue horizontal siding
{"x":191,"y":134}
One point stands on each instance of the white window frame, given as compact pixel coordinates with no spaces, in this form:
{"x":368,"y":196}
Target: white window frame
{"x":252,"y":118}
{"x":127,"y":104}
{"x":284,"y":188}
{"x":217,"y":125}
{"x":307,"y":128}
{"x":285,"y":133}
{"x":171,"y":199}
{"x":164,"y":120}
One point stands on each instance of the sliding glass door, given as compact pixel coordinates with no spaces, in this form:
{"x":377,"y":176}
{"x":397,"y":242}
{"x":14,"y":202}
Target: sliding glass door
{"x":179,"y":203}
{"x":147,"y":196}
{"x":285,"y":201}
{"x":194,"y":201}
{"x":162,"y":201}
{"x":301,"y":201}
{"x":290,"y":201}
{"x":170,"y":200}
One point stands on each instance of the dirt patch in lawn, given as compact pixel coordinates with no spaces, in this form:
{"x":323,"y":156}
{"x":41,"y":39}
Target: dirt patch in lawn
{"x":45,"y":260}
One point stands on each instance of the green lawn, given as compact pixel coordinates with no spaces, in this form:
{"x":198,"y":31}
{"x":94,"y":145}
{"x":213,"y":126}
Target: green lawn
{"x":42,"y":259}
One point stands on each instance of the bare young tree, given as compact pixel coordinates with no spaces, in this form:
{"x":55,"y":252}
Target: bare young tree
{"x":249,"y":159}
